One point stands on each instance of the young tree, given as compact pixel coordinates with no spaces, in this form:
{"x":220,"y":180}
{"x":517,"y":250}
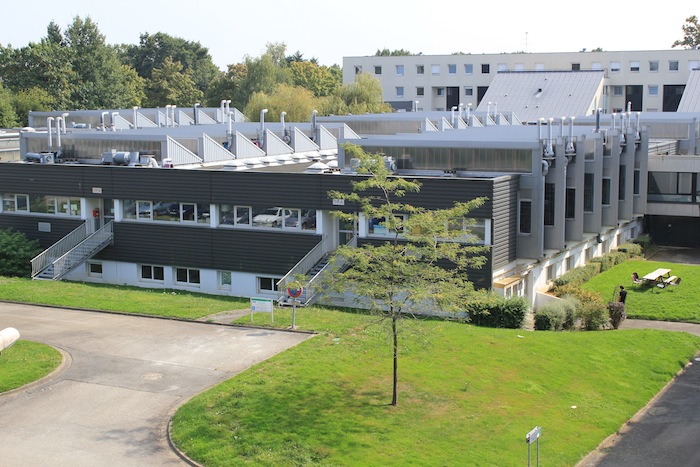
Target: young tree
{"x":365,"y":95}
{"x":421,"y":267}
{"x":691,"y":34}
{"x":16,"y":253}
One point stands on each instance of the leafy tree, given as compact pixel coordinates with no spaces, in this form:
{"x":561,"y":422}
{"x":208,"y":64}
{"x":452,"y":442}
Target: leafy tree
{"x":421,"y":266}
{"x":227,"y":86}
{"x":318,"y":79}
{"x":8,"y":117}
{"x":153,"y":49}
{"x":264,"y":73}
{"x":391,"y":53}
{"x":172,"y":85}
{"x":365,"y":95}
{"x":297,"y":102}
{"x":36,"y":99}
{"x":691,"y":34}
{"x":16,"y":253}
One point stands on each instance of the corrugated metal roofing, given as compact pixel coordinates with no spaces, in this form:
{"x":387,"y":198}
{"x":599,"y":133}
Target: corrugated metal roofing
{"x":532,"y":95}
{"x":690,"y":102}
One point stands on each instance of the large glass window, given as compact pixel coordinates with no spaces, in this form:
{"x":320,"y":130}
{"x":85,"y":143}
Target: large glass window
{"x":674,"y":187}
{"x":380,"y":226}
{"x":525,"y":216}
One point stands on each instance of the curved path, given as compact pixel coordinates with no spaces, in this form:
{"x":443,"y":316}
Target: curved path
{"x":126,"y":376}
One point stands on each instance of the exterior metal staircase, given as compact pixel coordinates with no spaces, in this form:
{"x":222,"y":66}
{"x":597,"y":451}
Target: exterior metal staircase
{"x":71,"y":251}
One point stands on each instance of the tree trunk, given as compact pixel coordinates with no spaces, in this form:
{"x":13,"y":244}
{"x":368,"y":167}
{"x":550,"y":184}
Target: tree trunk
{"x":394,"y":398}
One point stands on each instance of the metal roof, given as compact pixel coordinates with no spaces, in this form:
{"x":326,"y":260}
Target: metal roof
{"x":690,"y":102}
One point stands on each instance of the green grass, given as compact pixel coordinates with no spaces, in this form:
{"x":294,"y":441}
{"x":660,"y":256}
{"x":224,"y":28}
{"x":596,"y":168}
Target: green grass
{"x":157,"y":302}
{"x":25,"y":362}
{"x":467,"y":396}
{"x":679,"y":303}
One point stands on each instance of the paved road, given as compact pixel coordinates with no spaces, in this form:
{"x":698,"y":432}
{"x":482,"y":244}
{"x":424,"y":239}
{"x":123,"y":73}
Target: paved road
{"x":123,"y":380}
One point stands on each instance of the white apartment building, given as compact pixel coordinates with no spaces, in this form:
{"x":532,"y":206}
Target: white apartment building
{"x":648,"y":80}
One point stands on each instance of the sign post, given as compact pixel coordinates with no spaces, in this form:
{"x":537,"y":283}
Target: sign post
{"x":265,"y":305}
{"x":294,"y":293}
{"x":531,"y":437}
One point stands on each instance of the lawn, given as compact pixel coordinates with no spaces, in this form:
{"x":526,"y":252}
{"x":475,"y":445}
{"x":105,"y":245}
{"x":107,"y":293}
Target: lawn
{"x":158,"y":302}
{"x":25,"y":362}
{"x":468,"y":395}
{"x":673,"y":303}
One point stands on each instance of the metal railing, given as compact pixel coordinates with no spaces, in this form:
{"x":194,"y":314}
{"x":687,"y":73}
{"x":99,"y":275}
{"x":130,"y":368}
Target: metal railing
{"x":84,"y":250}
{"x":60,"y":248}
{"x":303,"y":266}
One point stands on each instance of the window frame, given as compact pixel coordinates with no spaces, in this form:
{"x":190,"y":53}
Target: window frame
{"x":522,"y":218}
{"x":400,"y":70}
{"x":188,"y":276}
{"x":156,"y":275}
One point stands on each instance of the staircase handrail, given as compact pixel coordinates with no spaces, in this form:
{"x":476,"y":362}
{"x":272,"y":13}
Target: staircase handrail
{"x":312,"y":289}
{"x":102,"y":234}
{"x":303,"y":266}
{"x":60,"y":248}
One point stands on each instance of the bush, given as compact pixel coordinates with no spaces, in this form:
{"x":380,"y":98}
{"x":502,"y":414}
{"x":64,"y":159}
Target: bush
{"x":16,"y":253}
{"x":593,"y":315}
{"x":632,"y":249}
{"x":578,"y":276}
{"x":644,"y":241}
{"x":616,"y":311}
{"x":550,"y":318}
{"x":494,"y":311}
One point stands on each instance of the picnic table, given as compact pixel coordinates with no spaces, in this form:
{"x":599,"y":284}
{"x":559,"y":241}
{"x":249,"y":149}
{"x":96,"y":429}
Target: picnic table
{"x":661,"y":277}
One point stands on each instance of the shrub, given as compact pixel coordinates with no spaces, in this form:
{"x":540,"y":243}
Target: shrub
{"x":593,"y":315}
{"x":550,"y":318}
{"x":632,"y":249}
{"x":16,"y":253}
{"x":644,"y":241}
{"x":577,"y":276}
{"x":494,"y":311}
{"x":616,"y":310}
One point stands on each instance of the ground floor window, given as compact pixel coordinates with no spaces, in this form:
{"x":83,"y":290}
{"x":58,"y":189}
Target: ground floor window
{"x":267,"y":284}
{"x":152,"y":273}
{"x":94,"y":269}
{"x":187,"y":276}
{"x":224,"y":280}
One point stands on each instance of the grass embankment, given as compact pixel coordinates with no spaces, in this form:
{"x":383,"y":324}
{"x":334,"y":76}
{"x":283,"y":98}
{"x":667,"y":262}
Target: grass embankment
{"x":157,"y":302}
{"x":672,"y":303}
{"x":467,"y":397}
{"x":25,"y":362}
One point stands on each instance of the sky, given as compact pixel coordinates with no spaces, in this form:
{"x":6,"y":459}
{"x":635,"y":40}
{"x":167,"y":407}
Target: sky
{"x":331,"y":30}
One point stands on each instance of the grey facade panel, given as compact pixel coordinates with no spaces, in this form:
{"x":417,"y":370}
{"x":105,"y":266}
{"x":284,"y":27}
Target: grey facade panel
{"x":29,"y":225}
{"x":224,"y":249}
{"x":505,"y":217}
{"x":266,"y":188}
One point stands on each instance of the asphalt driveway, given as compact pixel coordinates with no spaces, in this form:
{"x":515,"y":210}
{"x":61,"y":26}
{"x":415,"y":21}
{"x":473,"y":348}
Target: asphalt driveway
{"x":123,"y":378}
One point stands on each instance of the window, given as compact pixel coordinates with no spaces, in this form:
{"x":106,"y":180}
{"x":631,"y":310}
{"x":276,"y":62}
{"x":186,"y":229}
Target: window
{"x":468,"y":69}
{"x":435,"y":69}
{"x":570,"y":209}
{"x":152,"y":273}
{"x":588,"y":186}
{"x":525,"y":216}
{"x":475,"y":231}
{"x":420,"y":91}
{"x":614,"y":67}
{"x":242,"y":214}
{"x":570,"y":262}
{"x":420,"y":69}
{"x":653,"y":90}
{"x":653,"y":65}
{"x":673,"y":65}
{"x":636,"y":182}
{"x":452,"y":69}
{"x":399,"y":91}
{"x":485,"y":68}
{"x":575,"y":67}
{"x":399,"y":70}
{"x":539,"y":66}
{"x":549,"y":200}
{"x":468,"y":91}
{"x":502,"y":67}
{"x":144,"y":210}
{"x":94,"y":269}
{"x":224,"y":280}
{"x":589,"y":253}
{"x":187,"y":276}
{"x":550,"y":273}
{"x":597,"y":66}
{"x":13,"y":203}
{"x":440,"y":91}
{"x":606,"y":191}
{"x":377,"y":70}
{"x":380,"y":226}
{"x":267,"y":284}
{"x":693,"y":65}
{"x":634,"y":67}
{"x":358,"y":69}
{"x":617,"y":90}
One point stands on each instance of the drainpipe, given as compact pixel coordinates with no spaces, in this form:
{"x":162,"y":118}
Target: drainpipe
{"x":58,"y":132}
{"x":48,"y":127}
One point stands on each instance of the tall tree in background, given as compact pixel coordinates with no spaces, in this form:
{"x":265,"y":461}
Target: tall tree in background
{"x":391,"y":53}
{"x":8,"y":116}
{"x":691,"y":34}
{"x":318,"y":79}
{"x":422,"y":263}
{"x":154,"y":49}
{"x":227,"y":86}
{"x":170,"y":84}
{"x":365,"y":95}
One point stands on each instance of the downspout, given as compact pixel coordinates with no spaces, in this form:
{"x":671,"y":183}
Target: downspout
{"x":48,"y":127}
